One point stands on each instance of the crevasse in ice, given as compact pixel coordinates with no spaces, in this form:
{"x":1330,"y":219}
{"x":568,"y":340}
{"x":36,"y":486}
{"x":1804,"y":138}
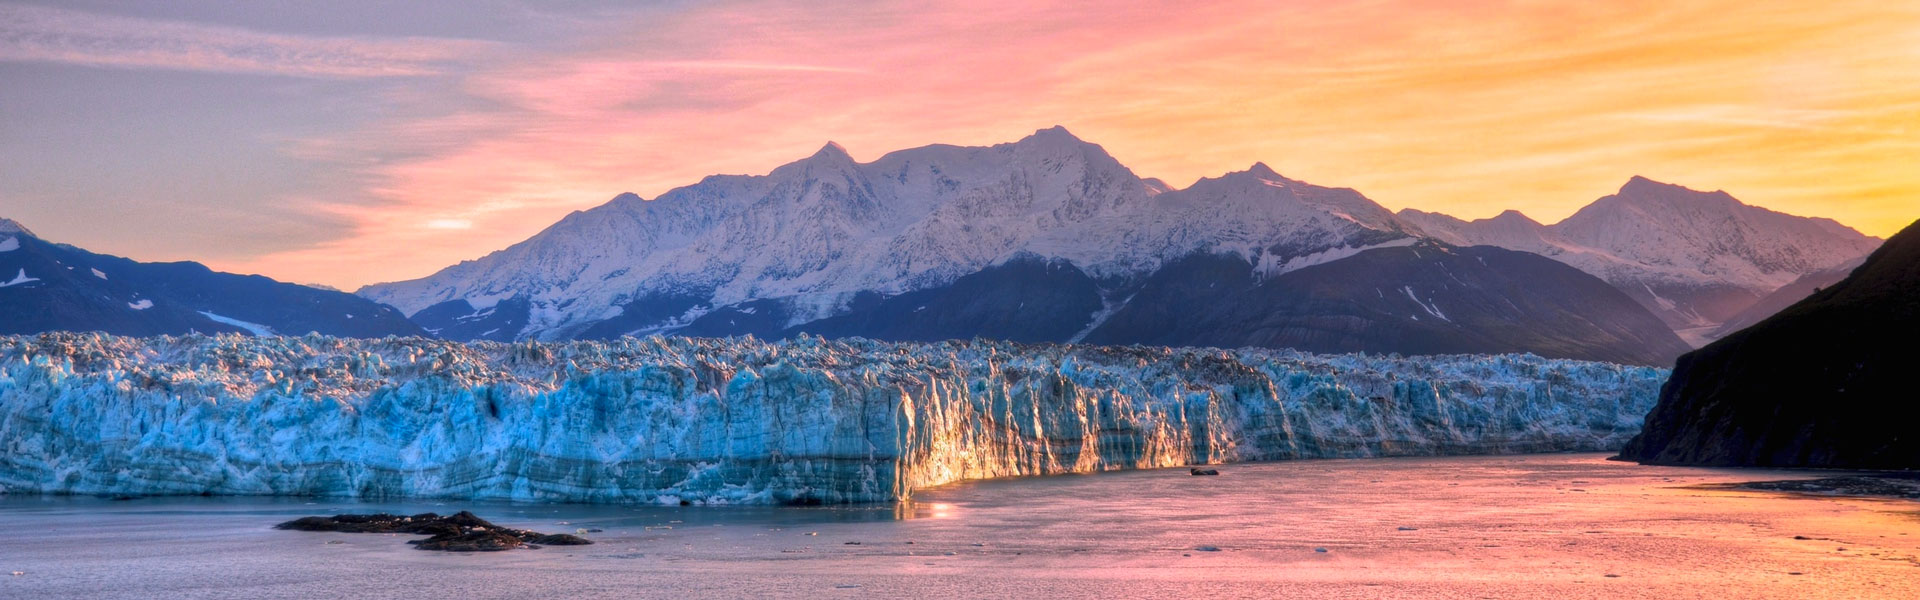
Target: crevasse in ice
{"x":708,"y":421}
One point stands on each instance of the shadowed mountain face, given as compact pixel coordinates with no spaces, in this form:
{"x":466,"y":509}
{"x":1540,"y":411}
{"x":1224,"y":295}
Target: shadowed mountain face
{"x":1424,"y":299}
{"x":1820,"y":384}
{"x":55,"y":287}
{"x":1786,"y":296}
{"x":1027,"y":299}
{"x":460,"y":320}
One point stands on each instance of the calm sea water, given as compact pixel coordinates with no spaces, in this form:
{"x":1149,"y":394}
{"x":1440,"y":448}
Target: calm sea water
{"x":1553,"y":526}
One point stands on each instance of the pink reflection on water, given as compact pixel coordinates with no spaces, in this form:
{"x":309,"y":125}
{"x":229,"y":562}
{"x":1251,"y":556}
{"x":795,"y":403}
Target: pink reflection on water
{"x":1556,"y":526}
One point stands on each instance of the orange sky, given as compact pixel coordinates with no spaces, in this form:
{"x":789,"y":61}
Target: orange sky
{"x":1466,"y":108}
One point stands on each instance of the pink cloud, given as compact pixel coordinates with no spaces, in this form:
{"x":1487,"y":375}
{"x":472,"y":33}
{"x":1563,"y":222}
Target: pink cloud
{"x":1469,"y":108}
{"x":43,"y":34}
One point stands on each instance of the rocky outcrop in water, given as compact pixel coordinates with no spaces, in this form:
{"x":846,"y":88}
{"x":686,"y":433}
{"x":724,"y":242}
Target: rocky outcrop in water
{"x":460,"y":532}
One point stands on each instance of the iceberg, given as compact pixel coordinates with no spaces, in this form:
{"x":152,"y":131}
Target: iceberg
{"x":742,"y":421}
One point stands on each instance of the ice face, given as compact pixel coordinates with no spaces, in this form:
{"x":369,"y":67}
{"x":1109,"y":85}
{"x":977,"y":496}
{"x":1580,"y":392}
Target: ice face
{"x":705,"y":421}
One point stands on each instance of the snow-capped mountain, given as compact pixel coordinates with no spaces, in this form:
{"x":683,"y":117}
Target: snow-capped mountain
{"x":1694,"y":258}
{"x":55,"y":287}
{"x":1044,"y":239}
{"x":812,"y":235}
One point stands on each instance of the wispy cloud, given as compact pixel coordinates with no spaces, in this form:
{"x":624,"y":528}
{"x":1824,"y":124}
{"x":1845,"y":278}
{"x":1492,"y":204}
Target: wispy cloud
{"x":43,"y":34}
{"x":734,"y":65}
{"x":1465,"y":107}
{"x":1461,"y":106}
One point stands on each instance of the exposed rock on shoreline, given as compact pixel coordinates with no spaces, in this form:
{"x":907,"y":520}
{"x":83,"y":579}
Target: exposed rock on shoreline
{"x":1906,"y":485}
{"x":461,"y":532}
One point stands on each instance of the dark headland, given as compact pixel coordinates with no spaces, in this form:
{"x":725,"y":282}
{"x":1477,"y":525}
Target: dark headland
{"x":1823,"y":384}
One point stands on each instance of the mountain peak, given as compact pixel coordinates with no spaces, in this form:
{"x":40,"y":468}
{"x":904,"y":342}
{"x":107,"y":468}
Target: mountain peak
{"x":831,"y":157}
{"x":1055,"y":137}
{"x":1642,"y":186}
{"x":1056,"y":131}
{"x":1258,"y":172}
{"x":833,"y":150}
{"x":1513,"y":216}
{"x":8,"y":226}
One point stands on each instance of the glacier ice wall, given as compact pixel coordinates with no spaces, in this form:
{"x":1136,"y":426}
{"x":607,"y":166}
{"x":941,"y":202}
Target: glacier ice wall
{"x":704,"y":421}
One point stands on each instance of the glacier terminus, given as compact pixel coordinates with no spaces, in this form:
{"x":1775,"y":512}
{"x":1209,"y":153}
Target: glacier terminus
{"x":670,"y":420}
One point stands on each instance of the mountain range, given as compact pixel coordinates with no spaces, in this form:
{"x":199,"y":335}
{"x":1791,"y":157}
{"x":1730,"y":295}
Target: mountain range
{"x":1046,"y":239}
{"x":1049,"y":238}
{"x":47,"y":287}
{"x":1694,"y":258}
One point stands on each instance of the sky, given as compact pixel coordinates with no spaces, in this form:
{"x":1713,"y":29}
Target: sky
{"x":347,"y":142}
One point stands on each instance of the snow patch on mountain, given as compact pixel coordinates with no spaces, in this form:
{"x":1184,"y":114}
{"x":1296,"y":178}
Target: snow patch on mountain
{"x":1107,"y":308}
{"x":1694,"y":257}
{"x":19,"y":278}
{"x":1274,"y":265}
{"x":256,"y":329}
{"x":1427,"y":305}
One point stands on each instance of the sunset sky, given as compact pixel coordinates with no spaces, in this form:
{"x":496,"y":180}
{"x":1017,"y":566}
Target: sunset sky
{"x":346,"y":143}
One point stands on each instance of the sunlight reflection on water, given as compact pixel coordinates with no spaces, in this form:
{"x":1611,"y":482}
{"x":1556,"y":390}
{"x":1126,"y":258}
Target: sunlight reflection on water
{"x":1548,"y":525}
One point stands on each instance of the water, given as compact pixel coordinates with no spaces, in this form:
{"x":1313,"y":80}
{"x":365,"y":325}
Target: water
{"x":1561,"y":526}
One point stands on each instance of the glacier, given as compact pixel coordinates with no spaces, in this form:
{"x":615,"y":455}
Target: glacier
{"x":674,"y":420}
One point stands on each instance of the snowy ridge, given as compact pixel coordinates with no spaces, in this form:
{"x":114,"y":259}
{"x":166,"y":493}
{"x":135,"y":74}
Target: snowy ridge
{"x":1692,"y":257}
{"x":686,"y":420}
{"x":10,"y":226}
{"x":814,"y":232}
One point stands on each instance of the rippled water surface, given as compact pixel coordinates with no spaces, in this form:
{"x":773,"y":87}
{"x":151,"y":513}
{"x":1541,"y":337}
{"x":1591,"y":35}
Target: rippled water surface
{"x":1558,"y":526}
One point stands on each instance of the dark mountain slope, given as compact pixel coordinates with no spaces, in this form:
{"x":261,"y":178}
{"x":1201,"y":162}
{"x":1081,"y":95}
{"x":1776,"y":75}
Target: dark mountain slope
{"x":55,"y":287}
{"x":1820,"y":384}
{"x":459,"y":320}
{"x":1026,"y":299}
{"x":1428,"y":298}
{"x":1786,"y":296}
